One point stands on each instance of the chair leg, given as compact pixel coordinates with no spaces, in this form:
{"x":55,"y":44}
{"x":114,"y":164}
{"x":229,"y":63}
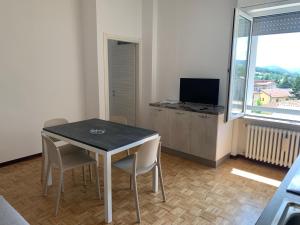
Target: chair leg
{"x":161,"y":182}
{"x":63,"y":186}
{"x":59,"y":191}
{"x":83,"y":175}
{"x":46,"y":178}
{"x":90,"y":171}
{"x":97,"y":181}
{"x":136,"y":198}
{"x":73,"y":175}
{"x":90,"y":167}
{"x":43,"y":169}
{"x":131,"y":182}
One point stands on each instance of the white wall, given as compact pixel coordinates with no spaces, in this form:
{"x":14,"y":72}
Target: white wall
{"x":40,"y":71}
{"x":149,"y":55}
{"x":118,"y":18}
{"x":194,"y":39}
{"x":90,"y":57}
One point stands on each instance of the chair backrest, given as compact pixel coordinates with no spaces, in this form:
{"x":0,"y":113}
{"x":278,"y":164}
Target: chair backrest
{"x":55,"y":122}
{"x":53,"y":152}
{"x":147,"y":155}
{"x":119,"y":119}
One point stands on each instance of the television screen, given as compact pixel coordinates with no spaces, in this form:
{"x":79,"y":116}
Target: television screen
{"x":205,"y":91}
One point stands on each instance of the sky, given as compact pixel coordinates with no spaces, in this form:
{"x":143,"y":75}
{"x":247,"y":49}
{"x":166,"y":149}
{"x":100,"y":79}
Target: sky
{"x":281,"y":50}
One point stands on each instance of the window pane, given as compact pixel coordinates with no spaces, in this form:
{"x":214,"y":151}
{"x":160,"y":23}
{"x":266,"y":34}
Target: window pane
{"x":276,"y":88}
{"x":239,"y":68}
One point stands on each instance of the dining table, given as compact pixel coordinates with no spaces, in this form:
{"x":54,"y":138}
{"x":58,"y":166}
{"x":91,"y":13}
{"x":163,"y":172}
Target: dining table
{"x":107,"y":139}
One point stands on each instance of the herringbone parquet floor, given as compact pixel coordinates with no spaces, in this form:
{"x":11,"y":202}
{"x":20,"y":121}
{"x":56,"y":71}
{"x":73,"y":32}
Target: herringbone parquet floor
{"x":195,"y":193}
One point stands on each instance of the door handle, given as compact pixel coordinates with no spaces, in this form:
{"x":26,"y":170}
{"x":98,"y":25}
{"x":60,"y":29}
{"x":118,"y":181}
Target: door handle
{"x":113,"y":93}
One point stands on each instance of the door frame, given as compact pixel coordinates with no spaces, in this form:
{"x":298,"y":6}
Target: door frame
{"x":138,"y":72}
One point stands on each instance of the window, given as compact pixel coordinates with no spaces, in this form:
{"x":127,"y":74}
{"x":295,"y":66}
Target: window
{"x":239,"y":65}
{"x":272,"y":68}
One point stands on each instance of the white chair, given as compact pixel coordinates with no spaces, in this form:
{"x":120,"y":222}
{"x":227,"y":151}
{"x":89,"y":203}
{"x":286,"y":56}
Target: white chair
{"x":144,"y":160}
{"x":65,"y":162}
{"x":65,"y":148}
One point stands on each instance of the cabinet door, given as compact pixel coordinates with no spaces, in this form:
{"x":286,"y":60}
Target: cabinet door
{"x":160,"y":123}
{"x":179,"y":130}
{"x":203,"y":135}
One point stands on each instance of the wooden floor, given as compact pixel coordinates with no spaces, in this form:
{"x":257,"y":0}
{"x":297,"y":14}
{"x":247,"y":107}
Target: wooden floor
{"x":195,"y":195}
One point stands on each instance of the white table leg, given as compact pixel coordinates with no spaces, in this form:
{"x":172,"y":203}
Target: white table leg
{"x":155,"y":179}
{"x":107,"y":188}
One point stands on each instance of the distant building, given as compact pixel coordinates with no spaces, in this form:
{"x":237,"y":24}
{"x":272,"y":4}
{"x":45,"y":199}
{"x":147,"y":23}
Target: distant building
{"x":274,"y":95}
{"x":263,"y":84}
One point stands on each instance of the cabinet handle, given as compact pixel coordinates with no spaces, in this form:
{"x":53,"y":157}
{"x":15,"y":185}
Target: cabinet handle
{"x":203,"y":116}
{"x":158,"y":110}
{"x":180,"y":113}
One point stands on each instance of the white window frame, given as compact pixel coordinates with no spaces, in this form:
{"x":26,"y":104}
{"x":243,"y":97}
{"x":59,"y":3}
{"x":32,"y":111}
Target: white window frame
{"x":251,"y":76}
{"x":237,"y":14}
{"x":251,"y":72}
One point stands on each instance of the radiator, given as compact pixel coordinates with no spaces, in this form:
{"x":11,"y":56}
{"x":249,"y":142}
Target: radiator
{"x":271,"y":145}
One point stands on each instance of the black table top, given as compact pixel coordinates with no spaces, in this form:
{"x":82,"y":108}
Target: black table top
{"x":115,"y":135}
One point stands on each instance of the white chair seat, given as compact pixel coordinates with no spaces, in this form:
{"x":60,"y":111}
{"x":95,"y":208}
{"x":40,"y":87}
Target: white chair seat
{"x":66,"y":148}
{"x":71,"y":159}
{"x":126,"y":164}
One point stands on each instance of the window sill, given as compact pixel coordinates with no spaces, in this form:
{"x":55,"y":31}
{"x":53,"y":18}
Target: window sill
{"x":272,"y":120}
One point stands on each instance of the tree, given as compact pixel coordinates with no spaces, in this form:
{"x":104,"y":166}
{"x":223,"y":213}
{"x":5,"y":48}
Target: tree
{"x":285,"y":83}
{"x":296,"y":88}
{"x":258,"y":102}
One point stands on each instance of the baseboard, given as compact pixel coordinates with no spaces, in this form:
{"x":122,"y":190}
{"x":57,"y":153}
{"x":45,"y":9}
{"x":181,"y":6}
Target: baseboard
{"x":200,"y":160}
{"x":266,"y":164}
{"x":223,"y":159}
{"x":26,"y":158}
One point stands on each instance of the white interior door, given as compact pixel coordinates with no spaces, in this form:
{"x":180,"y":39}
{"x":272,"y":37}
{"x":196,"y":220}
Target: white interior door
{"x":122,"y":80}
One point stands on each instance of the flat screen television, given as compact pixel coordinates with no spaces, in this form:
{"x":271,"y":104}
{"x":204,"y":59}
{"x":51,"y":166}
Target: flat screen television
{"x":197,"y":90}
